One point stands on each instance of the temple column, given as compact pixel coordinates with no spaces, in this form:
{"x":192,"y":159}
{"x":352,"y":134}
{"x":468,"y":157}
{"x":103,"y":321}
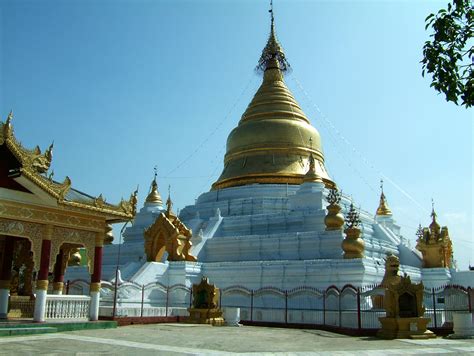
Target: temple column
{"x":58,"y":282}
{"x":42,"y":280}
{"x":5,"y":276}
{"x":96,"y":278}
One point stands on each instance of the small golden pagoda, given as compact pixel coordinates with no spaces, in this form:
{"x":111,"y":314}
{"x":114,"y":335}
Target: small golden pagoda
{"x":435,"y":245}
{"x":274,"y":139}
{"x":167,"y":236}
{"x":383,"y":209}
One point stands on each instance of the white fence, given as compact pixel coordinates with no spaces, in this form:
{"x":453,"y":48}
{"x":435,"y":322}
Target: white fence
{"x":67,"y":307}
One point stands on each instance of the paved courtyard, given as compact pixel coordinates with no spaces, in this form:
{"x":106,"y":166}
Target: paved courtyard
{"x":187,"y":339}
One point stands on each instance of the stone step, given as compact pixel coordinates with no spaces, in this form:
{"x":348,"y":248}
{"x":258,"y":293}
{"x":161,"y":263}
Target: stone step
{"x":12,"y":331}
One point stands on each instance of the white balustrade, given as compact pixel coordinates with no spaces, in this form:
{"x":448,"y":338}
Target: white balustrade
{"x":72,"y":307}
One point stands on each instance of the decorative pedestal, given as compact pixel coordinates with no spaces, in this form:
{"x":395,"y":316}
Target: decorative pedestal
{"x":463,"y":326}
{"x":232,"y":316}
{"x":206,"y":316}
{"x":405,"y":328}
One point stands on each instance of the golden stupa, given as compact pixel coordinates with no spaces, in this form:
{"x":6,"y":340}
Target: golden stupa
{"x":274,"y":140}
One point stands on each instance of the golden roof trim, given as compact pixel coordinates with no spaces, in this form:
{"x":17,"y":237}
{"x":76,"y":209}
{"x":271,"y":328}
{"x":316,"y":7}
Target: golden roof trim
{"x":34,"y":164}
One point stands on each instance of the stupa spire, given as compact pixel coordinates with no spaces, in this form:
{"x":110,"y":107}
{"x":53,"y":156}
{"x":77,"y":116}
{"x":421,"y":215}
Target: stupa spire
{"x":271,"y":143}
{"x":383,"y":208}
{"x":434,"y":226}
{"x":154,"y":195}
{"x":169,"y":203}
{"x":273,"y":55}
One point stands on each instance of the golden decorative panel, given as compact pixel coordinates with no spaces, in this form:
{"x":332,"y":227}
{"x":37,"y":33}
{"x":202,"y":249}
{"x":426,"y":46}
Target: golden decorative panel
{"x":47,"y":215}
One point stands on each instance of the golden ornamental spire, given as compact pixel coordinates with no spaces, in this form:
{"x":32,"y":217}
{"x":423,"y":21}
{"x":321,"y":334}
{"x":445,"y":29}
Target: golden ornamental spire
{"x":154,"y":195}
{"x":272,"y":55}
{"x":169,"y":203}
{"x":383,"y":209}
{"x":434,"y":226}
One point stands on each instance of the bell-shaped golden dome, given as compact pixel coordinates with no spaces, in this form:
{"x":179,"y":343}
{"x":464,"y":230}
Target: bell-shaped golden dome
{"x":274,"y":139}
{"x":154,"y":196}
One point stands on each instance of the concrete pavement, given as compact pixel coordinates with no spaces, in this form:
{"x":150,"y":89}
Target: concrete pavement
{"x":189,"y":339}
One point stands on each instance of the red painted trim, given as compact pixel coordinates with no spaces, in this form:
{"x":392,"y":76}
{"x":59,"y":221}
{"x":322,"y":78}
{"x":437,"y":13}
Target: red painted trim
{"x":58,"y":276}
{"x":45,"y":257}
{"x":97,"y":275}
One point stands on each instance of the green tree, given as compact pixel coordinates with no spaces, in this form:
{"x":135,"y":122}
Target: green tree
{"x":449,"y":56}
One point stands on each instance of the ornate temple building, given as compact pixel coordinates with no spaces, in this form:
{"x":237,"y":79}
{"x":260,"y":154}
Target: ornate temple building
{"x":43,"y":223}
{"x":274,"y":217}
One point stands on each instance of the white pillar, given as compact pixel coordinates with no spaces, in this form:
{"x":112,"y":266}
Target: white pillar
{"x":40,"y":305}
{"x":94,"y":306}
{"x":4,"y":294}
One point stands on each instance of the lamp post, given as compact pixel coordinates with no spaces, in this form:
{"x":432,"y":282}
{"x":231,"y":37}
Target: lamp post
{"x":114,"y":311}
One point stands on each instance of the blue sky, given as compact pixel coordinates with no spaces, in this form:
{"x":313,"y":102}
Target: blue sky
{"x":122,"y":86}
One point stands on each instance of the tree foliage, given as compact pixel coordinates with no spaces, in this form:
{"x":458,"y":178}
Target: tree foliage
{"x":449,"y":56}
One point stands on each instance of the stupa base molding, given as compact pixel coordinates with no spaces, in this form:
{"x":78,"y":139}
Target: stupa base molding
{"x":206,"y":316}
{"x":405,"y":328}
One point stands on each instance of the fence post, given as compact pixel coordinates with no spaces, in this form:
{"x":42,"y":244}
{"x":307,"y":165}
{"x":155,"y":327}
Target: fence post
{"x":220,"y":299}
{"x":340,"y":312}
{"x":434,"y":307}
{"x":143,"y":298}
{"x":359,"y":323}
{"x":469,"y":296}
{"x":286,"y":307}
{"x":251,"y":305}
{"x":167,"y":300}
{"x":324,"y":307}
{"x":191,"y":297}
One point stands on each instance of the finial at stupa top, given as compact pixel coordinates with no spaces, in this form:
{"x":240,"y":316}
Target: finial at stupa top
{"x":383,"y":208}
{"x":272,"y":55}
{"x":434,"y":226}
{"x":169,"y":203}
{"x":154,"y":195}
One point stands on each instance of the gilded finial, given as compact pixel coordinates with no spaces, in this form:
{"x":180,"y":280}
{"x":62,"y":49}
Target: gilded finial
{"x":434,"y":226}
{"x":352,"y":218}
{"x":10,"y":117}
{"x":334,"y":220}
{"x":419,"y":232}
{"x":169,"y":203}
{"x":334,"y":196}
{"x":272,"y":55}
{"x":353,"y":246}
{"x":154,"y":195}
{"x":383,"y":208}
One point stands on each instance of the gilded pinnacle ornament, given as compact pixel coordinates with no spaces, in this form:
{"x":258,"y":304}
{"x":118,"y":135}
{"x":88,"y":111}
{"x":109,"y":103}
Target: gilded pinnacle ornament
{"x":353,"y":246}
{"x":334,"y":220}
{"x":352,"y":218}
{"x":272,"y":55}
